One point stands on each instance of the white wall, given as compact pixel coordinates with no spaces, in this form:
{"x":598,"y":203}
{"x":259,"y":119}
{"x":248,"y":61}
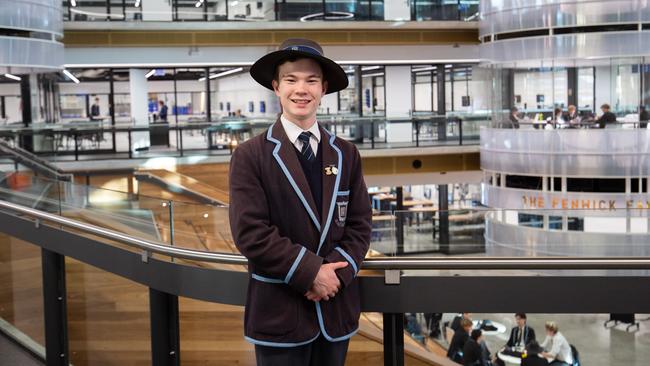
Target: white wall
{"x":397,"y":10}
{"x":239,"y":90}
{"x":12,"y":102}
{"x":330,"y":101}
{"x":157,"y":10}
{"x":603,"y":87}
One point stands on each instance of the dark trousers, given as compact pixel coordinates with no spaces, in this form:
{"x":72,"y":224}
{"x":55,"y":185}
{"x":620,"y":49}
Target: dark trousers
{"x":317,"y":353}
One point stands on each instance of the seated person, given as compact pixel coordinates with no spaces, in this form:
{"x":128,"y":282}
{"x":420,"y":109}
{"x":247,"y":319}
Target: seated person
{"x":514,"y":118}
{"x":533,"y":357}
{"x":572,"y":116}
{"x":522,"y":334}
{"x":607,"y":117}
{"x":556,"y":346}
{"x":455,"y":324}
{"x":473,"y":351}
{"x":644,"y":117}
{"x":455,"y":352}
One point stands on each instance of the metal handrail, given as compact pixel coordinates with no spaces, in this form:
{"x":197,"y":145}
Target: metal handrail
{"x":34,"y":162}
{"x":384,"y":263}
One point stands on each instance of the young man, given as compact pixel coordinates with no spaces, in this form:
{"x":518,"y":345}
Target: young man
{"x":455,"y":351}
{"x":556,"y":346}
{"x":522,"y":334}
{"x":300,"y":213}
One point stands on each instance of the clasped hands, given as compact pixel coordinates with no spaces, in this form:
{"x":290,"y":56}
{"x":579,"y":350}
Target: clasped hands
{"x":326,"y":284}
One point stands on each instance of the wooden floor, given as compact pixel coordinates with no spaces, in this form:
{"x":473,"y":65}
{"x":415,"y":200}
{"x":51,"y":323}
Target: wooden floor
{"x":108,"y":316}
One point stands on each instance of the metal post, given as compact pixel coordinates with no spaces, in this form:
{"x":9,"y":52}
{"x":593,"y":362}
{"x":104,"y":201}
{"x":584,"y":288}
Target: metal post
{"x":572,"y":85}
{"x":180,"y":134}
{"x":130,"y":151}
{"x":460,"y":130}
{"x":76,"y":146}
{"x":171,"y":224}
{"x":372,"y":135}
{"x":399,"y":219}
{"x":417,"y":133}
{"x":111,"y":106}
{"x":55,"y":309}
{"x":443,"y":219}
{"x":165,"y":342}
{"x":393,"y":339}
{"x":441,"y":106}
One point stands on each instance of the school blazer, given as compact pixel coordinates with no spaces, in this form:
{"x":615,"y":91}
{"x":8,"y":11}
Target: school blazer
{"x":275,"y":224}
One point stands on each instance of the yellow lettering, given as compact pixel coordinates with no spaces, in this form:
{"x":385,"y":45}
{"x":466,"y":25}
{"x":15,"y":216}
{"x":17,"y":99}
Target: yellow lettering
{"x":628,"y":203}
{"x":575,"y":204}
{"x":601,"y":204}
{"x":564,"y":203}
{"x":586,"y":204}
{"x":540,"y":202}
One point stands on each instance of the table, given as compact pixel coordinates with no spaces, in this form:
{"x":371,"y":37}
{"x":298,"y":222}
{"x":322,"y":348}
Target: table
{"x":501,"y":329}
{"x":513,"y":360}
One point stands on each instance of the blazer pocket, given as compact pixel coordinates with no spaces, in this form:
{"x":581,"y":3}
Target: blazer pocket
{"x":273,"y":308}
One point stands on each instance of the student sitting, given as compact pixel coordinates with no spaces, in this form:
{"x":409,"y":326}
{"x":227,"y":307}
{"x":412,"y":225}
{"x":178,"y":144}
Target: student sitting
{"x":455,"y":352}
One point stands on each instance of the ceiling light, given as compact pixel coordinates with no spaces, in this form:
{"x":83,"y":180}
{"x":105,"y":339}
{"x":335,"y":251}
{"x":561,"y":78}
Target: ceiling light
{"x":73,"y":3}
{"x":198,"y":3}
{"x":232,"y":71}
{"x":368,"y":68}
{"x":14,"y":77}
{"x":137,"y":3}
{"x":151,"y":72}
{"x":371,"y":75}
{"x":70,"y":76}
{"x":234,"y":3}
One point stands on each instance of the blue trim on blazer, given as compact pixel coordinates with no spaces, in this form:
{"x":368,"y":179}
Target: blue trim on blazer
{"x":334,"y":194}
{"x":348,"y":258}
{"x":266,"y":279}
{"x":322,"y":328}
{"x":279,"y":344}
{"x":295,"y":265}
{"x":343,"y":193}
{"x":278,"y":144}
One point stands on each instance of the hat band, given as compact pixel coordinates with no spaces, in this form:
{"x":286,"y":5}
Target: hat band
{"x":303,"y":49}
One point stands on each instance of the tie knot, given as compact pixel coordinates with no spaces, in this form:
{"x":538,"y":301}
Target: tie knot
{"x":304,"y":137}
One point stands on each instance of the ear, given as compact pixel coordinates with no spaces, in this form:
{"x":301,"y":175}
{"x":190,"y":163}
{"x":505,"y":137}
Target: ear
{"x":325,"y":87}
{"x":276,"y":87}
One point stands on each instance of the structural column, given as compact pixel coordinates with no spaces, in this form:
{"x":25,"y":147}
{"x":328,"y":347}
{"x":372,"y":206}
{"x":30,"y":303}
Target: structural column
{"x":572,"y":85}
{"x":139,"y":107}
{"x":399,"y":94}
{"x":165,"y":338}
{"x":443,"y":219}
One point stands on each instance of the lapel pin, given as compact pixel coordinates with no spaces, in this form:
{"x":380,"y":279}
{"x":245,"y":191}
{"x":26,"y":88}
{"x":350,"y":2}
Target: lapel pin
{"x":331,"y":170}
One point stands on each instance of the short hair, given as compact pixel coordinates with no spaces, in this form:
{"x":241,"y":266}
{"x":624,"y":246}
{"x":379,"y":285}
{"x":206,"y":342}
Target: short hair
{"x":464,"y":323}
{"x":605,"y":106}
{"x":161,"y":102}
{"x":276,"y":73}
{"x":521,"y":315}
{"x":552,"y":326}
{"x":557,"y":110}
{"x":514,"y":109}
{"x":476,"y":334}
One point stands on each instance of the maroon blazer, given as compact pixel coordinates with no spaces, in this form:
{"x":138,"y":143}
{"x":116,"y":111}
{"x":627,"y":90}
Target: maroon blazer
{"x":275,"y":224}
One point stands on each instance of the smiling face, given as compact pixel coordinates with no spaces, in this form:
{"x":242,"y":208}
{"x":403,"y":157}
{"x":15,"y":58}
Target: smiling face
{"x":300,"y":86}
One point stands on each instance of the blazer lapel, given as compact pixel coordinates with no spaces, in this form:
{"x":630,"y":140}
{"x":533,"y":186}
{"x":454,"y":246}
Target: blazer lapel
{"x":286,"y":158}
{"x":332,"y":158}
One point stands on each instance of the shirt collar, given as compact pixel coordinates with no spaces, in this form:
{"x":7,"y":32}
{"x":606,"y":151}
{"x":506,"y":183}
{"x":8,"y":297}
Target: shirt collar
{"x":293,"y":131}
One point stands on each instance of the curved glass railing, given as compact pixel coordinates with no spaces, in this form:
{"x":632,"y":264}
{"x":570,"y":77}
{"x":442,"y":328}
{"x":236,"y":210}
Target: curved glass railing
{"x":118,"y":244}
{"x":100,"y":140}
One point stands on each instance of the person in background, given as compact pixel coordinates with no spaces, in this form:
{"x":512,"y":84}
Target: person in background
{"x":238,"y":114}
{"x":522,"y":334}
{"x":556,"y":346}
{"x":572,"y":116}
{"x":558,"y":118}
{"x":473,"y":351}
{"x":455,"y":324}
{"x":607,"y":117}
{"x":94,"y":110}
{"x":644,"y":117}
{"x":433,"y":323}
{"x":514,"y":117}
{"x":162,"y":112}
{"x":533,"y":357}
{"x":457,"y":345}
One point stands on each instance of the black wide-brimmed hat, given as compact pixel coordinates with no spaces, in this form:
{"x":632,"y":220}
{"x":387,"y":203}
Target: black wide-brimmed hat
{"x":263,"y":70}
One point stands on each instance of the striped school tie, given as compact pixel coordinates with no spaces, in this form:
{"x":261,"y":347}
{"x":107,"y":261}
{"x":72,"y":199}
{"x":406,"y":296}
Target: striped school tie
{"x":306,"y":151}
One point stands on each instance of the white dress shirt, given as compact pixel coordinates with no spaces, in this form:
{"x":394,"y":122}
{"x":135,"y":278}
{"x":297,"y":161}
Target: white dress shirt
{"x":558,"y":347}
{"x":293,"y":131}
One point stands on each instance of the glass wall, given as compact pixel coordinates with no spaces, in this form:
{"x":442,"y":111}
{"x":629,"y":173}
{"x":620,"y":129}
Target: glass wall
{"x":537,"y":91}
